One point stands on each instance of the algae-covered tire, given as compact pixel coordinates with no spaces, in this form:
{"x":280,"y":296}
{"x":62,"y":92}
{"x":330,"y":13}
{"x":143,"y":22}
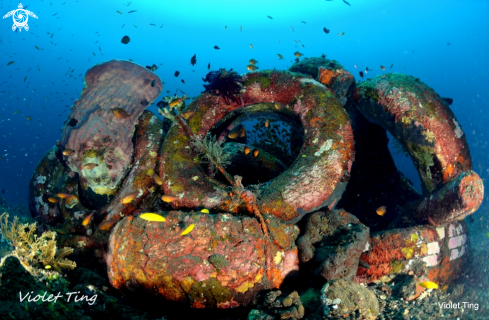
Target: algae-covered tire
{"x":427,"y":129}
{"x":317,"y":177}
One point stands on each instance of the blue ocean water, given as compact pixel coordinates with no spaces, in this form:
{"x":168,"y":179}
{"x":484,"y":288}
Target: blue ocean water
{"x":444,"y":43}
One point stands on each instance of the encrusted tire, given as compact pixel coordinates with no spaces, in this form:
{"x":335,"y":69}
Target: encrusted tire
{"x":318,"y":176}
{"x":427,"y":129}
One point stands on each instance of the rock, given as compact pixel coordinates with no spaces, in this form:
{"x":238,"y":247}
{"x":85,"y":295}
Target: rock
{"x":332,"y":244}
{"x":101,"y":137}
{"x":275,"y":307}
{"x":340,"y":297}
{"x":223,"y":262}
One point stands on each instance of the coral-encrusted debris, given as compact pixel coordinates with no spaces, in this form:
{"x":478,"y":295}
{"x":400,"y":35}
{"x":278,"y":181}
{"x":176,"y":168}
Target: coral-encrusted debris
{"x":342,"y":297}
{"x":316,"y":179}
{"x":223,"y":262}
{"x":436,"y":253}
{"x":115,"y":94}
{"x":332,"y":244}
{"x":274,"y":306}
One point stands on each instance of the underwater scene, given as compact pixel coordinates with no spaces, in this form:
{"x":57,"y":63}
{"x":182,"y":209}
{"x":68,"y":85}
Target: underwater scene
{"x":251,"y":160}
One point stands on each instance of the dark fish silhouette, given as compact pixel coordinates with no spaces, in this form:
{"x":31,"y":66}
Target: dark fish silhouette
{"x":136,"y":10}
{"x":216,"y":47}
{"x":361,"y":74}
{"x":73,"y":122}
{"x":269,"y":17}
{"x":176,"y":73}
{"x":303,"y":22}
{"x":125,"y":40}
{"x":193,"y":60}
{"x":3,"y":190}
{"x":209,"y":66}
{"x":183,"y":81}
{"x":449,"y":101}
{"x":325,"y":30}
{"x":346,"y":3}
{"x":153,"y":83}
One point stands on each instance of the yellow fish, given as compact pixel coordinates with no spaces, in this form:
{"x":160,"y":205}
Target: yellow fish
{"x":67,"y":152}
{"x":298,"y":54}
{"x":253,"y":61}
{"x":48,"y":267}
{"x":381,"y":210}
{"x":205,"y":210}
{"x":267,"y":123}
{"x":233,"y":134}
{"x":251,"y":67}
{"x":168,"y":198}
{"x":90,"y":166}
{"x":246,"y":150}
{"x":129,"y":198}
{"x":53,"y":200}
{"x":177,"y":102}
{"x":280,"y":57}
{"x":187,"y":231}
{"x":152,"y":217}
{"x":107,"y":224}
{"x":28,"y":118}
{"x":242,"y":132}
{"x":87,"y":219}
{"x":157,"y":179}
{"x":120,"y":113}
{"x":429,"y":285}
{"x":255,"y":152}
{"x":63,"y":195}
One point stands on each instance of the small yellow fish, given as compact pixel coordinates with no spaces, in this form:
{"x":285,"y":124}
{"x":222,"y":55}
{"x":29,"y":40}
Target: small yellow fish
{"x":177,"y":102}
{"x":63,"y":195}
{"x":298,"y":54}
{"x":204,"y":210}
{"x":429,"y":285}
{"x":255,"y":152}
{"x":242,"y":132}
{"x":253,"y":61}
{"x":157,"y":179}
{"x":187,"y":231}
{"x":87,"y":219}
{"x":233,"y":134}
{"x":67,"y":152}
{"x":382,"y":67}
{"x":277,"y":106}
{"x":381,"y":211}
{"x":48,"y":267}
{"x":251,"y":46}
{"x":152,"y":217}
{"x":341,"y":33}
{"x":251,"y":67}
{"x":107,"y":224}
{"x":53,"y":200}
{"x":246,"y":150}
{"x":267,"y":123}
{"x":169,"y":198}
{"x":129,"y":198}
{"x":28,"y":118}
{"x":280,"y":57}
{"x":90,"y":166}
{"x":120,"y":113}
